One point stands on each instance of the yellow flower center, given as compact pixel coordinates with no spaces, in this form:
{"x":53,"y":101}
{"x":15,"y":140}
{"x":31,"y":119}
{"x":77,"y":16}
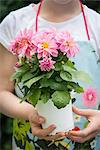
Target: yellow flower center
{"x":24,"y":41}
{"x":45,"y":45}
{"x":69,"y":43}
{"x":90,"y":97}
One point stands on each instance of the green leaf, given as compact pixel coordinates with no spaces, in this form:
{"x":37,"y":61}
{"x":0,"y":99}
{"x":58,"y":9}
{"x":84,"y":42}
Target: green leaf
{"x":33,"y":80}
{"x":49,"y":74}
{"x":45,"y":95}
{"x":27,"y":76}
{"x":61,"y":98}
{"x":58,"y":66}
{"x":45,"y":82}
{"x":59,"y":86}
{"x":81,"y":75}
{"x":56,"y":85}
{"x":71,"y":64}
{"x":67,"y":68}
{"x":29,"y":146}
{"x":60,"y":56}
{"x":20,"y":72}
{"x":58,"y":79}
{"x":53,"y":84}
{"x":76,"y":87}
{"x":65,"y":75}
{"x":35,"y":60}
{"x":34,"y":68}
{"x":26,"y":97}
{"x":34,"y":98}
{"x":77,"y":75}
{"x":15,"y":76}
{"x":23,"y":68}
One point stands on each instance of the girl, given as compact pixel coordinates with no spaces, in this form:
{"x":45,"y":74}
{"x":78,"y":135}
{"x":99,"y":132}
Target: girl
{"x":83,"y":24}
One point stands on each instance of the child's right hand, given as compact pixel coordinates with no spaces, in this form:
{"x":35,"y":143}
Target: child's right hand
{"x":36,"y":122}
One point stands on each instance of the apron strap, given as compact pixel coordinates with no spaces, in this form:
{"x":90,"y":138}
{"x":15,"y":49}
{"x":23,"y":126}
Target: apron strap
{"x":83,"y":13}
{"x":85,"y":21}
{"x":37,"y":15}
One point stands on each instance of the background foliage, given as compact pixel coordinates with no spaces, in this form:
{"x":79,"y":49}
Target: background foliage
{"x":7,"y":6}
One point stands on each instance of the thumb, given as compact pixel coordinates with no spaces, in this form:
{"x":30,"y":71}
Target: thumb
{"x":36,"y":118}
{"x":82,"y":112}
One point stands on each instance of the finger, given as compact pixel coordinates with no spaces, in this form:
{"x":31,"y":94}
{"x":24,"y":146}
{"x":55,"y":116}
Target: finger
{"x":83,"y":112}
{"x":37,"y":131}
{"x":90,"y":136}
{"x":82,"y":140}
{"x":37,"y":119}
{"x":67,"y":134}
{"x":55,"y":137}
{"x":85,"y":132}
{"x":76,"y":139}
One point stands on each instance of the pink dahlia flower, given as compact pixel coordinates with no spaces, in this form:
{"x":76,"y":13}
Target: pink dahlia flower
{"x":67,"y":44}
{"x":46,"y":45}
{"x":89,"y":97}
{"x":17,"y":64}
{"x":51,"y":31}
{"x":46,"y":64}
{"x":22,"y":44}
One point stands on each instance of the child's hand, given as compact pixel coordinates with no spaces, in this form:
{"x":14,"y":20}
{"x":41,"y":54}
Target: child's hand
{"x":92,"y":129}
{"x":36,"y":122}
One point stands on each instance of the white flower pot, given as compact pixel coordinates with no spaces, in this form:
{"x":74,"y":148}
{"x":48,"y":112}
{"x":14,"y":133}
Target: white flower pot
{"x":62,"y":118}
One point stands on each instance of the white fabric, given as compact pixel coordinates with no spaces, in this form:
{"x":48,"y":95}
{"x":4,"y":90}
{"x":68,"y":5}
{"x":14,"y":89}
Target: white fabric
{"x":25,"y":18}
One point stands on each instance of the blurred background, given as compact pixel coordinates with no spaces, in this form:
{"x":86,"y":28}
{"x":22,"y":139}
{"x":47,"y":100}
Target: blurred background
{"x":7,"y":6}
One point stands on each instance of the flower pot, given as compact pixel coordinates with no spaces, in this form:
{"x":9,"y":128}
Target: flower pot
{"x":62,"y":118}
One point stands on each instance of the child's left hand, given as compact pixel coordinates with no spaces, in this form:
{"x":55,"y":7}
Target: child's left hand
{"x":92,"y":129}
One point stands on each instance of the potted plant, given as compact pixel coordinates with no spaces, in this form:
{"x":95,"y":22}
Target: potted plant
{"x":47,"y":73}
